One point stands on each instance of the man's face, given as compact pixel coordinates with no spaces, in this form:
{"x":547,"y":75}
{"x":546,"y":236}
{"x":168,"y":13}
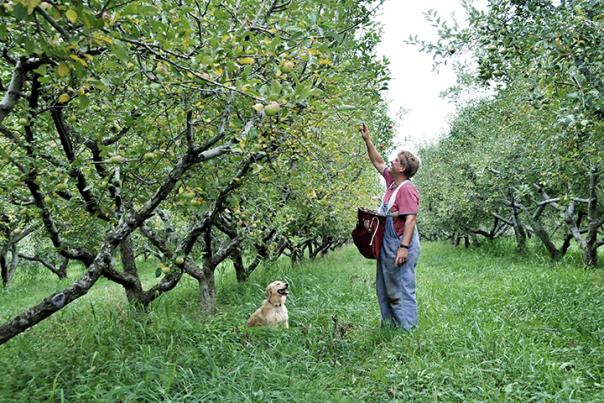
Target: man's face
{"x":397,"y":164}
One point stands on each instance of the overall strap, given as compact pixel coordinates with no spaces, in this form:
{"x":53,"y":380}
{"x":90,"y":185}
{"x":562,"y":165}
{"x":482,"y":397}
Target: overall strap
{"x":393,"y":196}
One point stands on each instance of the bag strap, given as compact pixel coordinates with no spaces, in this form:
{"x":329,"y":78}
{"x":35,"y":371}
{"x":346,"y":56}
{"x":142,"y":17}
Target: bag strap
{"x":393,"y":196}
{"x":377,"y":226}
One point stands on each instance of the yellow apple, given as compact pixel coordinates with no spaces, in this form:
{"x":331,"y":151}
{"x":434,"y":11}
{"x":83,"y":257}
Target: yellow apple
{"x":246,"y":60}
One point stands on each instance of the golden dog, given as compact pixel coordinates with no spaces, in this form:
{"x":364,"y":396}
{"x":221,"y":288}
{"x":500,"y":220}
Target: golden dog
{"x":272,"y":312}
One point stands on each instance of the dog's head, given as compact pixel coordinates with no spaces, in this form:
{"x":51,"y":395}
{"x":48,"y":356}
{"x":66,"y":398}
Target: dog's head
{"x":276,"y":292}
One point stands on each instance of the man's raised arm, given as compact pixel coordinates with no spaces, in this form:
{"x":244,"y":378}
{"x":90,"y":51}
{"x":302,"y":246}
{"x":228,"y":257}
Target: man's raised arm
{"x":375,"y":157}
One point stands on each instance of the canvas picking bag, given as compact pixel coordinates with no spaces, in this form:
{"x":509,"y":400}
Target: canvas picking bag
{"x":369,"y":231}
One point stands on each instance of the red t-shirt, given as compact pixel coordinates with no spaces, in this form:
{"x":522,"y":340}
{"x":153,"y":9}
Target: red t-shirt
{"x":406,"y":201}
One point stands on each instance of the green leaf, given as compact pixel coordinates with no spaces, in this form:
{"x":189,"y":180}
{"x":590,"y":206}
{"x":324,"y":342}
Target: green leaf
{"x":83,"y":101}
{"x":158,"y":272}
{"x":120,"y":50}
{"x":19,"y":12}
{"x":3,"y":33}
{"x":72,"y":16}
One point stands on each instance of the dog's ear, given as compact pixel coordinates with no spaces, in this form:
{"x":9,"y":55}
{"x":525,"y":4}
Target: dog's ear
{"x":268,"y":291}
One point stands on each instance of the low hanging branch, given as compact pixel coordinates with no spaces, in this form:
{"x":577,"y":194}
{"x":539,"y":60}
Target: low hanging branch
{"x":60,"y":270}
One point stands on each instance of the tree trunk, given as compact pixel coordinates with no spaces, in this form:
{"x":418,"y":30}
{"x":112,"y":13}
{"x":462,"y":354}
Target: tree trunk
{"x":589,"y":244}
{"x":4,"y":266}
{"x":297,"y":256}
{"x":8,"y":268}
{"x":134,"y":290}
{"x":541,"y":233}
{"x":207,"y":291}
{"x":519,"y":230}
{"x":240,"y":271}
{"x":545,"y":239}
{"x":62,"y":271}
{"x":590,"y":256}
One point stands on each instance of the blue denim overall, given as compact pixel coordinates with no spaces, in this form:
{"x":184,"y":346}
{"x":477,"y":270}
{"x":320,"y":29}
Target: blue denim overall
{"x":395,"y":285}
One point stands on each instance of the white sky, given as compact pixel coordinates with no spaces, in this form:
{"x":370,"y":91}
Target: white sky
{"x":414,"y":85}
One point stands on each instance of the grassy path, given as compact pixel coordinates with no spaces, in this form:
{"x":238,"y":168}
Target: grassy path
{"x":491,"y":328}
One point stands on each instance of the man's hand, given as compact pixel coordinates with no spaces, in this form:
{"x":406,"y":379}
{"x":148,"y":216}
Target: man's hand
{"x":401,"y":256}
{"x":364,"y":131}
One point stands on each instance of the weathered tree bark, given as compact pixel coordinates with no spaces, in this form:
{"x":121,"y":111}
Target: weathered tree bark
{"x":134,"y":289}
{"x":240,"y":271}
{"x":593,"y":222}
{"x":535,"y":224}
{"x":555,"y":253}
{"x":168,"y":281}
{"x":519,"y":230}
{"x":310,"y":246}
{"x":207,"y":291}
{"x":455,"y":240}
{"x":295,"y":255}
{"x":589,"y":244}
{"x":7,"y":268}
{"x":58,"y":300}
{"x":205,"y":276}
{"x":16,"y":84}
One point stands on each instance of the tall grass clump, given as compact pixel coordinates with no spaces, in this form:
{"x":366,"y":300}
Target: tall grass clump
{"x":492,"y":327}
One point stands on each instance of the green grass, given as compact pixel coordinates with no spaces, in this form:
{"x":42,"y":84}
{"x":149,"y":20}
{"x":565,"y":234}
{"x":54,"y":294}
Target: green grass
{"x":492,"y":327}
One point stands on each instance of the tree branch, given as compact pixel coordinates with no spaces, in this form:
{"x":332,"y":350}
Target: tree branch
{"x":91,"y":203}
{"x":14,"y":88}
{"x":52,"y":22}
